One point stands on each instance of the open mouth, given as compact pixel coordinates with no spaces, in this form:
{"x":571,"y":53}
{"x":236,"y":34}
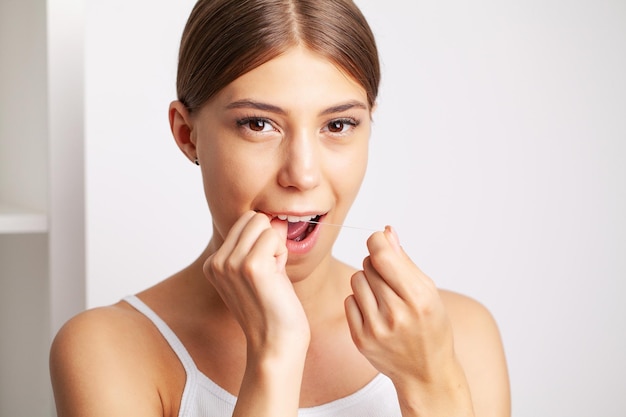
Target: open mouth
{"x":300,"y":227}
{"x":300,"y":230}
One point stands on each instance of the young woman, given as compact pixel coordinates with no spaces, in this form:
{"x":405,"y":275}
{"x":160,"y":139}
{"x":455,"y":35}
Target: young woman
{"x":275,"y":99}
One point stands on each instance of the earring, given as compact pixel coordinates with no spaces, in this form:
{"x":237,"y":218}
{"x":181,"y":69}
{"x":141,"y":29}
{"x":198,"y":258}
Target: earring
{"x":195,"y":161}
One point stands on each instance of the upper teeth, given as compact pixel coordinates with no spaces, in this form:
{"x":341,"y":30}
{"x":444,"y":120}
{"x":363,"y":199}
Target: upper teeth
{"x":296,"y":219}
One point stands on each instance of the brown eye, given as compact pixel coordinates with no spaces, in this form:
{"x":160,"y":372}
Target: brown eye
{"x":336,"y":126}
{"x":258,"y":125}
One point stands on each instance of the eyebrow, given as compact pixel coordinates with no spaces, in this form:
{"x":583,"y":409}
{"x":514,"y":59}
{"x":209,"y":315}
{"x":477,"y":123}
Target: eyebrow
{"x":252,"y":104}
{"x":352,"y":104}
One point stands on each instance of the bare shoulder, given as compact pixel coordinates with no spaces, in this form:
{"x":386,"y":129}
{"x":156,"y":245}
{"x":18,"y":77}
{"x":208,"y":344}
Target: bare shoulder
{"x":108,"y":361}
{"x":466,"y":313}
{"x":479,"y":348}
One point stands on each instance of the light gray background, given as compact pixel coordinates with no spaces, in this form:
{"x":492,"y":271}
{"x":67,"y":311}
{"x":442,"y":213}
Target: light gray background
{"x":498,"y":154}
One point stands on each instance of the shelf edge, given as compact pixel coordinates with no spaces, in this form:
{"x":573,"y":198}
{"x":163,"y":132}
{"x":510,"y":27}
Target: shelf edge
{"x":17,"y":220}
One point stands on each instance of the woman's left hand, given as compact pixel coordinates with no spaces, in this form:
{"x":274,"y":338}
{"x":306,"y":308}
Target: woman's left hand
{"x":398,"y":321}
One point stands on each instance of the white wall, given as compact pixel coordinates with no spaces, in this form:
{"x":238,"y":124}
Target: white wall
{"x":498,"y":153}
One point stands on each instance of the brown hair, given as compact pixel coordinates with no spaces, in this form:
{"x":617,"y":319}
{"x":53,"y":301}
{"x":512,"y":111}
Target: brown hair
{"x":224,"y":39}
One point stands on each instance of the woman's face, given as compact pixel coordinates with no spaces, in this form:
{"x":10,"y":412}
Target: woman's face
{"x":289,"y":139}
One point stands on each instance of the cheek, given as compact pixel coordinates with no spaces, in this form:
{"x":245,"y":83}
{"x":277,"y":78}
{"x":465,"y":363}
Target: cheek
{"x":229,"y":187}
{"x":232,"y":177}
{"x":348,"y":172}
{"x":359,"y":174}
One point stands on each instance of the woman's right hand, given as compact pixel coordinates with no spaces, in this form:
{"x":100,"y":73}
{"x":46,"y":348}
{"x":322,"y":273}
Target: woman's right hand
{"x":248,"y":272}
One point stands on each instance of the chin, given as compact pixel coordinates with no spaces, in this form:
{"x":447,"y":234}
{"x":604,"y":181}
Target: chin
{"x":299,"y":267}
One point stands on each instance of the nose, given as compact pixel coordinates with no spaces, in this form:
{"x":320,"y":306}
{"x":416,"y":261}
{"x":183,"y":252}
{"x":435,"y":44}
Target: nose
{"x":301,"y":162}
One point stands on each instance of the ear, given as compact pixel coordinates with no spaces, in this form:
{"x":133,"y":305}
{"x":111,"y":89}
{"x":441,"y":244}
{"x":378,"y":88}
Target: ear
{"x":182,"y":127}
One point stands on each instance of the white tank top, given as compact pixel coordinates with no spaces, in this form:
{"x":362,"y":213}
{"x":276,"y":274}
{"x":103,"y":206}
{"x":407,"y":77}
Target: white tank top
{"x":204,"y":398}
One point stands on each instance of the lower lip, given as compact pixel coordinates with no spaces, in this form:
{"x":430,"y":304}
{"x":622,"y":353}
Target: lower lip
{"x":304,"y":246}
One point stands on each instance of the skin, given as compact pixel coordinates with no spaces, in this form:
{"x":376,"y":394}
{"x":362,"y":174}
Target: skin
{"x":273,"y":327}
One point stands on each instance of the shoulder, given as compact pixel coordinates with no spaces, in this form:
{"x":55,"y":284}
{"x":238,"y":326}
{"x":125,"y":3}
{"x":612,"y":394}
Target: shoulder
{"x":479,"y":349}
{"x":101,"y":332}
{"x":102,"y":322}
{"x":466,"y":313}
{"x":105,"y":361}
{"x":475,"y":329}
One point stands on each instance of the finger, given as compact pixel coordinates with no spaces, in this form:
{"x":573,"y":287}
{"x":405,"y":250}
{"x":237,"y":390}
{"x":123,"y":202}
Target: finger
{"x":280,"y":226}
{"x":232,"y":237}
{"x":354,"y":317}
{"x":214,"y":264}
{"x":386,"y":297}
{"x":364,"y":297}
{"x":394,"y":266}
{"x":268,"y":253}
{"x":281,"y":254}
{"x":385,"y":260}
{"x":228,"y":259}
{"x":248,"y":237}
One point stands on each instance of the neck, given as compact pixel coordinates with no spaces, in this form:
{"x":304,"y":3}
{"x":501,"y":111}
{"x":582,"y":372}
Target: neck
{"x":322,"y":291}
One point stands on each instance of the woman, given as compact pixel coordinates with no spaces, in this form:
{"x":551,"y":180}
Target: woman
{"x":275,"y":99}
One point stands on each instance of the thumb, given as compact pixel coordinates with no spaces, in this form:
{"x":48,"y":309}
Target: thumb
{"x":280,"y":226}
{"x":393,"y":239}
{"x":281,"y":254}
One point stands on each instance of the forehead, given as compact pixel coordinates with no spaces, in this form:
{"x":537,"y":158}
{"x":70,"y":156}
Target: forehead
{"x":296,"y":79}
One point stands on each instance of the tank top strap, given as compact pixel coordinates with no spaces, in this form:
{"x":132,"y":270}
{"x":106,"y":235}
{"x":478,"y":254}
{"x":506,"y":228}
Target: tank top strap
{"x":177,"y":346}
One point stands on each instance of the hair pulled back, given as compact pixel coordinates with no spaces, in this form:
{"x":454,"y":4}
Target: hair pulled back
{"x":224,"y":39}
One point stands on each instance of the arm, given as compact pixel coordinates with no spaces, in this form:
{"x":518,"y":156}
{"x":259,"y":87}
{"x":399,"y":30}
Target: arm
{"x":248,"y":272}
{"x":98,"y":368}
{"x":271,"y":386}
{"x":479,"y":349}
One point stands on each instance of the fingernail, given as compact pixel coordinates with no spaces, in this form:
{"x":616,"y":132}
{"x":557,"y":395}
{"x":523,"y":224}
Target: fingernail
{"x":393,"y":237}
{"x":280,"y":227}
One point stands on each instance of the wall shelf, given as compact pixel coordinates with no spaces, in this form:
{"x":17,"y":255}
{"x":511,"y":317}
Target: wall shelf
{"x":42,"y":262}
{"x":14,"y":219}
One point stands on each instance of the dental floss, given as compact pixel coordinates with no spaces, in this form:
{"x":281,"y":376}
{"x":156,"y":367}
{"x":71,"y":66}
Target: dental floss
{"x":343,"y":225}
